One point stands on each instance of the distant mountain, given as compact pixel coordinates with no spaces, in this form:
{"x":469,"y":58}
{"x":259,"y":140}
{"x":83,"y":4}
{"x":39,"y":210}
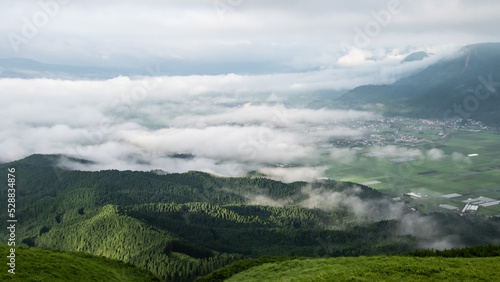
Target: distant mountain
{"x":27,"y":68}
{"x":465,"y":86}
{"x":417,"y":56}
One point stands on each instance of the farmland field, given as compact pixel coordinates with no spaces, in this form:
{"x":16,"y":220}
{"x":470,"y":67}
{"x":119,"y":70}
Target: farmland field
{"x":457,"y":169}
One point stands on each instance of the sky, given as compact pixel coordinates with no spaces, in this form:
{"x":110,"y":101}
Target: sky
{"x":238,"y":36}
{"x":222,"y":76}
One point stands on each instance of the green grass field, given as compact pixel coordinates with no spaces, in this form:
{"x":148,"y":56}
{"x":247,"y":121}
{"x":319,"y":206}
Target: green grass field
{"x":376,"y":269}
{"x":453,"y":173}
{"x":52,"y":265}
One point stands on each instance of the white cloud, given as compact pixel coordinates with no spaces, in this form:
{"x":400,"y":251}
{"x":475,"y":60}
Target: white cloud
{"x":343,"y":155}
{"x":321,"y":199}
{"x":354,"y":58}
{"x":460,"y":158}
{"x":276,"y":115}
{"x":435,"y":154}
{"x":227,"y":133}
{"x":294,"y":173}
{"x":370,"y":210}
{"x":266,"y":201}
{"x":394,"y":151}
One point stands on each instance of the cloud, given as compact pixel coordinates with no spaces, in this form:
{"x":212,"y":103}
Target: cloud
{"x":425,"y":228}
{"x":443,"y":243}
{"x":428,"y":232}
{"x":223,"y":142}
{"x":354,"y":58}
{"x":275,"y":115}
{"x":321,"y":199}
{"x":294,"y":173}
{"x":460,"y":158}
{"x":419,"y":226}
{"x":223,"y":121}
{"x":397,"y":152}
{"x":343,"y":155}
{"x":435,"y":154}
{"x":394,"y":151}
{"x":365,"y":210}
{"x":266,"y":201}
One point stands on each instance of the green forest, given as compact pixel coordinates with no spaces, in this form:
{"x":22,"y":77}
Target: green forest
{"x":184,"y":226}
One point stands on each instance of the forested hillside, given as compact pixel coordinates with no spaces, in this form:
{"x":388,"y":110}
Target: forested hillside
{"x":182,"y":226}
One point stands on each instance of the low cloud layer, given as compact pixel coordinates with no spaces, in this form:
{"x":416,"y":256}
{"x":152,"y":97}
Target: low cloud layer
{"x":394,"y":151}
{"x":228,"y":124}
{"x":424,"y":228}
{"x":343,"y":155}
{"x":365,"y":210}
{"x":224,"y":124}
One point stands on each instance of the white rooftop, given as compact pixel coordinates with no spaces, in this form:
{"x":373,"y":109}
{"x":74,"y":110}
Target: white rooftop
{"x":479,"y":201}
{"x":448,"y":207}
{"x":371,"y":182}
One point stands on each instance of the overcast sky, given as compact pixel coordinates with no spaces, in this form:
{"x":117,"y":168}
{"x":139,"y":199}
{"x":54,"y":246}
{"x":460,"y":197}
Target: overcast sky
{"x":237,"y":35}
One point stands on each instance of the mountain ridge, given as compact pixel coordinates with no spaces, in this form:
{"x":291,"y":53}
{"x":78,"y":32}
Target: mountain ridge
{"x":466,"y":85}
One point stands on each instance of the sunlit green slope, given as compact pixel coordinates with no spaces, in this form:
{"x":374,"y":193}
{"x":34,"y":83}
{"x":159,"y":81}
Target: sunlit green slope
{"x":53,"y":265}
{"x":382,"y":268}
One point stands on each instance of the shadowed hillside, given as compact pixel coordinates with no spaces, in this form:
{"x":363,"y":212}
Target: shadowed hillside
{"x":465,"y":86}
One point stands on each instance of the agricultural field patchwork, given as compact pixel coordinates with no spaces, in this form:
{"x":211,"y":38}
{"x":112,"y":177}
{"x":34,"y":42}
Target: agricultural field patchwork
{"x":464,"y":161}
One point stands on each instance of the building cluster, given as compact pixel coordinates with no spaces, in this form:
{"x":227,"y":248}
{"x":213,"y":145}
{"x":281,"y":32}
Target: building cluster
{"x":482,"y":201}
{"x":399,"y":130}
{"x":471,"y":204}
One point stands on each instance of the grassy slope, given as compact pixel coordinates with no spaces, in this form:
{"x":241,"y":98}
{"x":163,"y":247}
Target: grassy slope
{"x":375,"y":268}
{"x":53,"y":265}
{"x":109,"y":234}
